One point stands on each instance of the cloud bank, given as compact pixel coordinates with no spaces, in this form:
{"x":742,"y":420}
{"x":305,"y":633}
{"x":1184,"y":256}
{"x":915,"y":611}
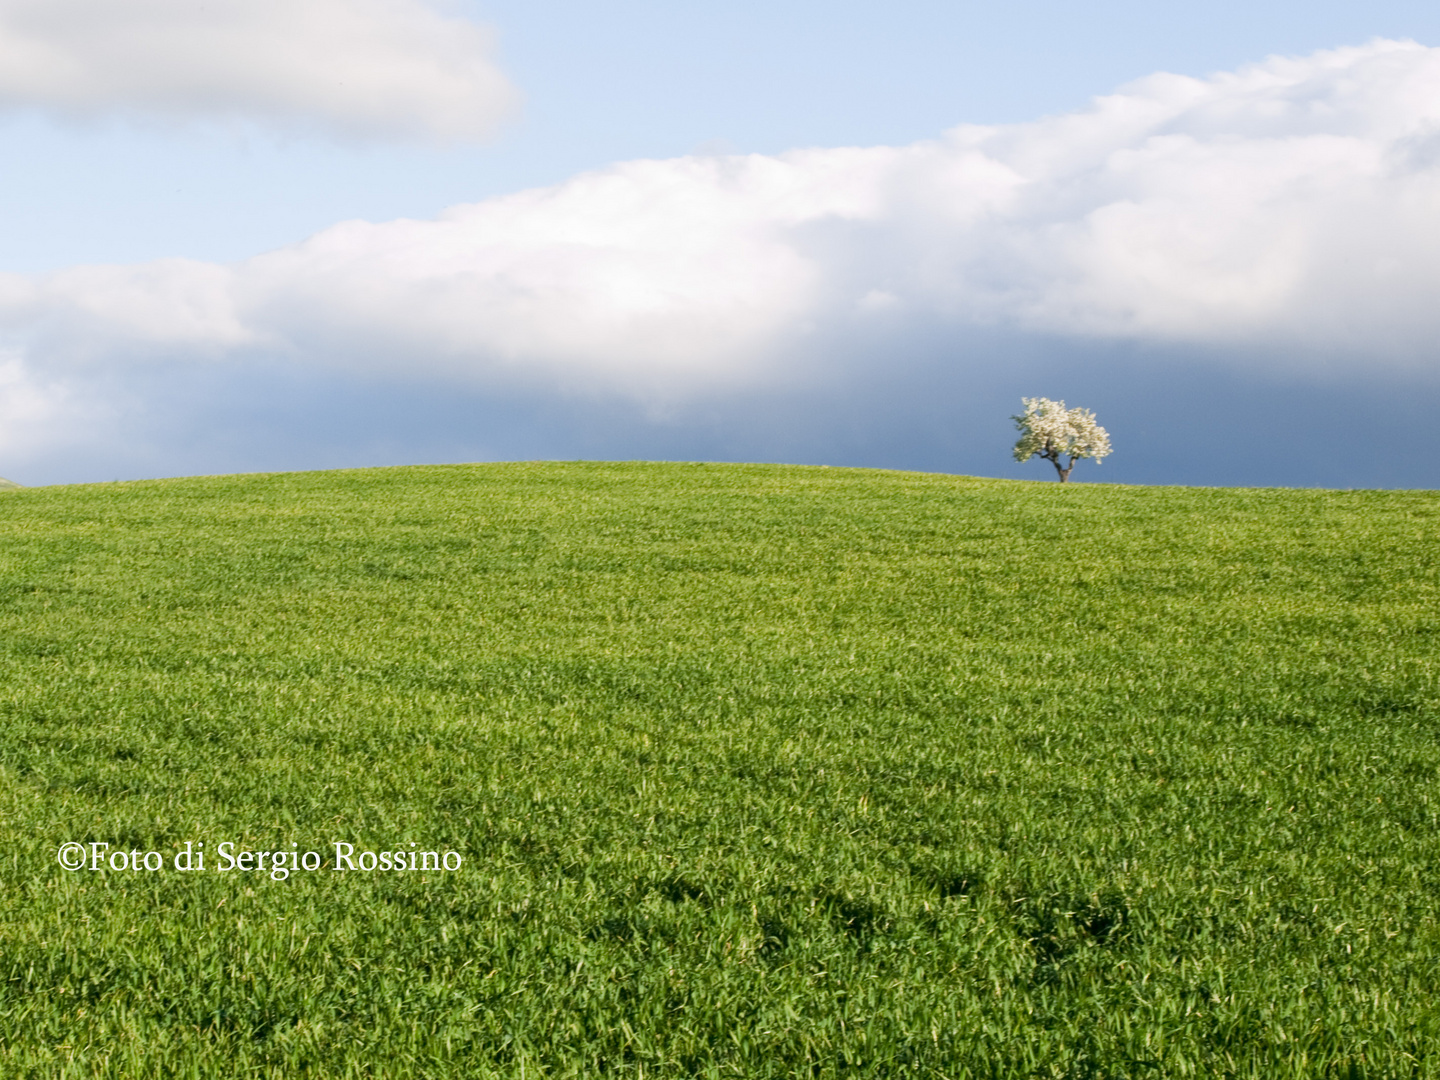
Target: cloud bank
{"x":387,"y":68}
{"x":1284,"y":217}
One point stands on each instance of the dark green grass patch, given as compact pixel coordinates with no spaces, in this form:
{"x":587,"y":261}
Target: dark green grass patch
{"x":755,"y":771}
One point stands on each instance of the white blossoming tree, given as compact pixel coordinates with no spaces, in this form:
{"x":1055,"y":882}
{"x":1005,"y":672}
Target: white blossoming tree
{"x":1050,"y":430}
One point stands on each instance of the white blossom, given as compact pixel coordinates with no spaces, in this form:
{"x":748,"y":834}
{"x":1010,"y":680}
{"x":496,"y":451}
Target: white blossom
{"x":1050,"y":430}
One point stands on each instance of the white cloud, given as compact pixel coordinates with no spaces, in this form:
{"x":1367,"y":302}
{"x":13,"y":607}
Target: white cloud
{"x":1293,"y":205}
{"x":369,"y":67}
{"x":38,"y":414}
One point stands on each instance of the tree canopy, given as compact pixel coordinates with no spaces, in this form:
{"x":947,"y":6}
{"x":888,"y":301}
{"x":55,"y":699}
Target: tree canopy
{"x":1051,"y":431}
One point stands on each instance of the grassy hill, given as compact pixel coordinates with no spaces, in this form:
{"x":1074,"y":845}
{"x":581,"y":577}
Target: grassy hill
{"x":752,"y":771}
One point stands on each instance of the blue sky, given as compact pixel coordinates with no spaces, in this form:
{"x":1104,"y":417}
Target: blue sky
{"x":1196,"y":383}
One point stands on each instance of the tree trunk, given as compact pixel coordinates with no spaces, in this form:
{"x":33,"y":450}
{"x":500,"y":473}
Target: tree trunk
{"x":1053,"y":457}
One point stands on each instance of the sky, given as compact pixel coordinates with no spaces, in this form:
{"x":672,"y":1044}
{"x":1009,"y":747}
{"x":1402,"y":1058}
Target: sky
{"x":253,"y":235}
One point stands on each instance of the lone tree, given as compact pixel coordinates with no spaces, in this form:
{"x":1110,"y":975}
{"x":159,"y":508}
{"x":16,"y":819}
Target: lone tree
{"x":1049,"y":429}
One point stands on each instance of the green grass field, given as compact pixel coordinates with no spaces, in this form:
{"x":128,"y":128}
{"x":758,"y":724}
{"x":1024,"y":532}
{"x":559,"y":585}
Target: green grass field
{"x":754,"y":772}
